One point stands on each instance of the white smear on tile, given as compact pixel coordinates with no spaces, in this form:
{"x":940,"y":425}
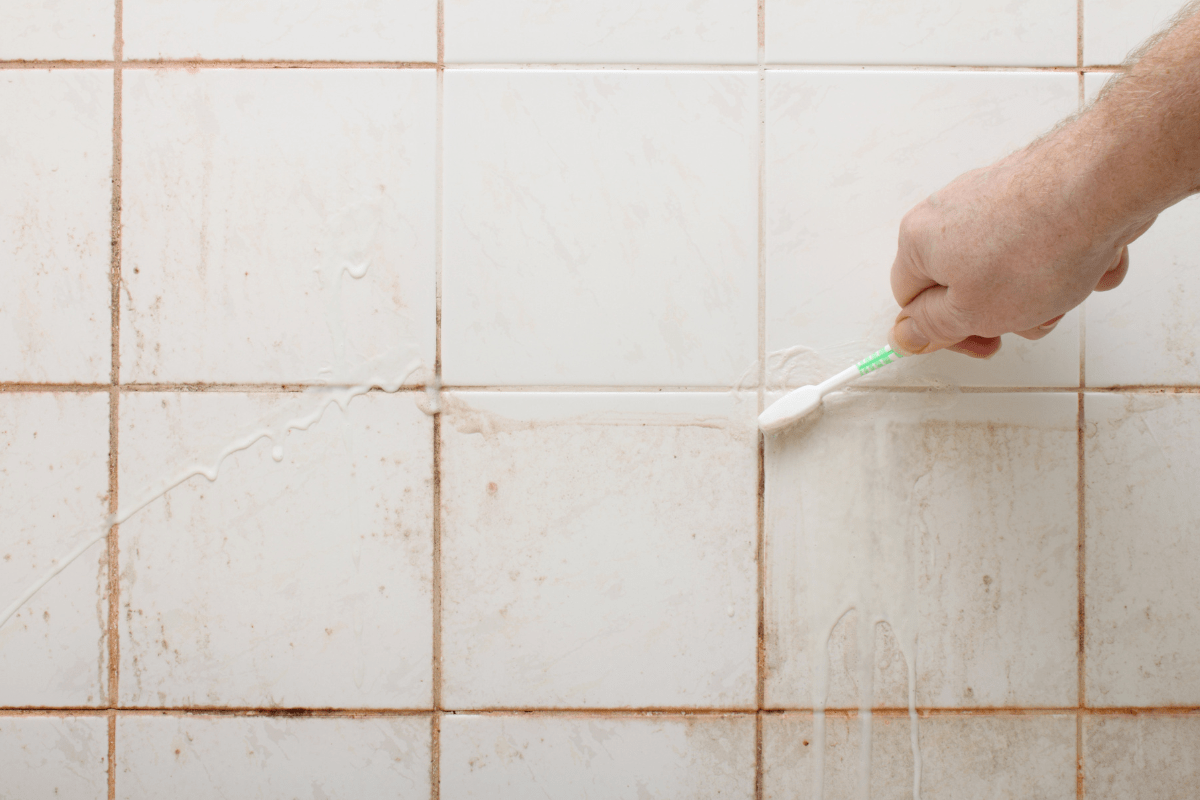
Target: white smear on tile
{"x":860,"y":551}
{"x":351,"y":236}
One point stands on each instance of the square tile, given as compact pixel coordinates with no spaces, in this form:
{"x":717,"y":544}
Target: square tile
{"x":1112,"y":28}
{"x":608,"y":31}
{"x":53,"y":757}
{"x":55,"y":225}
{"x":351,"y":30}
{"x":252,"y":199}
{"x":65,"y":29}
{"x":1142,"y":467}
{"x":1000,"y":32}
{"x":1147,"y":331}
{"x":1141,"y":757}
{"x":848,"y":153}
{"x":598,"y":550}
{"x":952,"y":517}
{"x":195,"y":757}
{"x":603,"y":231}
{"x":300,"y":583}
{"x":54,"y":495}
{"x":962,"y":758}
{"x":616,"y":758}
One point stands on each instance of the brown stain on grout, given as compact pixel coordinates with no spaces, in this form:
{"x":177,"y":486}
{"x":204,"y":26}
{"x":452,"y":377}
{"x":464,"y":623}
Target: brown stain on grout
{"x":113,"y":544}
{"x":435,"y":720}
{"x":748,"y":712}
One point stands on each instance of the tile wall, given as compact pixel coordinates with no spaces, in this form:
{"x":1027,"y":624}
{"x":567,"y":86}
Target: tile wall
{"x":580,"y":244}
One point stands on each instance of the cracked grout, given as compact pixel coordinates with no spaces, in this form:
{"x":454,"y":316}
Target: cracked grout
{"x":760,"y":655}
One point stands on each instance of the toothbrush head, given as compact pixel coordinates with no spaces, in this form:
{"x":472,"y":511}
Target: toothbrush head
{"x":789,"y":408}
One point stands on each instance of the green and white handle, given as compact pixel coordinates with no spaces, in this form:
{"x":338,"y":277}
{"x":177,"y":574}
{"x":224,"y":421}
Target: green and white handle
{"x":803,"y":401}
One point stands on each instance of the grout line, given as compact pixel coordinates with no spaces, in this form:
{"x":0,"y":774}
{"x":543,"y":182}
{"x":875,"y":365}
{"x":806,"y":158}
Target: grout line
{"x":196,"y":64}
{"x":760,"y":545}
{"x":278,"y":388}
{"x":1079,"y":33}
{"x":1081,"y":665}
{"x":112,"y":754}
{"x":544,"y":711}
{"x":114,"y":400}
{"x":435,"y":721}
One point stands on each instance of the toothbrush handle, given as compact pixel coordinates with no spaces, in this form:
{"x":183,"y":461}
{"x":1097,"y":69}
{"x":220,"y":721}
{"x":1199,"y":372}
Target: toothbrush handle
{"x":876,"y":360}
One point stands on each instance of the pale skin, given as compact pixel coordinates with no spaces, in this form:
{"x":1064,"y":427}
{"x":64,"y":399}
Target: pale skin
{"x":1014,"y":246}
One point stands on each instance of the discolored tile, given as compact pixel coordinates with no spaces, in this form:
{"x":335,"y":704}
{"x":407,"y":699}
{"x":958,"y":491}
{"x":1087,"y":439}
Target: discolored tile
{"x":952,"y":517}
{"x":54,"y":495}
{"x":598,"y":550}
{"x":193,"y":757}
{"x":278,"y":226}
{"x":1141,"y":757}
{"x":604,"y":231}
{"x":300,"y":583}
{"x":54,"y":757}
{"x":617,"y":758}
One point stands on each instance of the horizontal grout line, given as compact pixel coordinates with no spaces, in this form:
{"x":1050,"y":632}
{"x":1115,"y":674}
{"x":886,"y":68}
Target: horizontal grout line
{"x":294,"y":388}
{"x":747,"y":711}
{"x":195,"y":64}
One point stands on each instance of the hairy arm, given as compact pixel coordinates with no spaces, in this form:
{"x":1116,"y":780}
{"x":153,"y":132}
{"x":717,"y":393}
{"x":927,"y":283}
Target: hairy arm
{"x":1012,"y":247}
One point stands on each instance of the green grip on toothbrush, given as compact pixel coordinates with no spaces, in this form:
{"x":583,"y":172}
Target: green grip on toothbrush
{"x":877,"y":360}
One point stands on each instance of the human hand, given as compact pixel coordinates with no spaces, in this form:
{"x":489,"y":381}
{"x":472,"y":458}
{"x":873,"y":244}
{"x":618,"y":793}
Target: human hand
{"x":1010,"y":248}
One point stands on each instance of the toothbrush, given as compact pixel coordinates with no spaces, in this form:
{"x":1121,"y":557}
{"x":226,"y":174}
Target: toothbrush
{"x":805,"y":400}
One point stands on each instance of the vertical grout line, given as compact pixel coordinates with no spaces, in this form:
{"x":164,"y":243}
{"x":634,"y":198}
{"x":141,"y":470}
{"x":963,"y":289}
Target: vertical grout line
{"x":435,"y":719}
{"x":112,"y":635}
{"x":1081,"y":519}
{"x":759,"y":511}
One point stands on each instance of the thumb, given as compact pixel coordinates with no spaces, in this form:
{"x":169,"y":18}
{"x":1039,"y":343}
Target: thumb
{"x":928,"y":323}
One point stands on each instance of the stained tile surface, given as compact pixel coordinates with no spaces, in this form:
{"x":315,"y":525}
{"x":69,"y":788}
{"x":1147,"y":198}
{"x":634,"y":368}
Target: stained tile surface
{"x":54,"y":757}
{"x":339,"y":758}
{"x":66,"y":29}
{"x":603,"y":232}
{"x":56,"y":158}
{"x":953,"y":518}
{"x":253,"y":199}
{"x":53,"y":492}
{"x":1142,"y":757}
{"x":848,"y":153}
{"x":964,"y":758}
{"x":617,"y":758}
{"x":351,"y":30}
{"x":1142,"y":466}
{"x":299,"y":583}
{"x":1024,"y":32}
{"x":615,"y":31}
{"x":598,"y":550}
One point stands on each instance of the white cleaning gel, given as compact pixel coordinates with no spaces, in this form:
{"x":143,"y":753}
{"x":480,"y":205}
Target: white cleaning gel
{"x":805,"y":400}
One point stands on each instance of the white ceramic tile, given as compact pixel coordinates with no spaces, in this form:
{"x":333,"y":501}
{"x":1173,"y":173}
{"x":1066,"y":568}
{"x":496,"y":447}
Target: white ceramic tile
{"x":56,"y":159}
{"x":848,"y":153}
{"x":1141,"y":757}
{"x":598,"y":550}
{"x":962,"y":758}
{"x":195,"y":758}
{"x":350,"y":30}
{"x":1006,"y":32}
{"x":1143,"y":645}
{"x":612,"y":31}
{"x":300,"y":583}
{"x":603,"y":230}
{"x":1112,"y":28}
{"x":59,"y":29}
{"x":52,"y":758}
{"x":615,"y":758}
{"x":1147,"y":331}
{"x":250,"y":198}
{"x":53,"y":494}
{"x":951,"y":515}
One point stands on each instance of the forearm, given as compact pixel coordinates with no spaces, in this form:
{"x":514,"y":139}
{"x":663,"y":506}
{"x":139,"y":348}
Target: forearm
{"x":1137,"y":149}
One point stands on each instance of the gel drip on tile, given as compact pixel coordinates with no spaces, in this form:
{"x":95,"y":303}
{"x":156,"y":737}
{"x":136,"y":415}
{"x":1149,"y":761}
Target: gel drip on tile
{"x":856,"y":540}
{"x":350,"y":239}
